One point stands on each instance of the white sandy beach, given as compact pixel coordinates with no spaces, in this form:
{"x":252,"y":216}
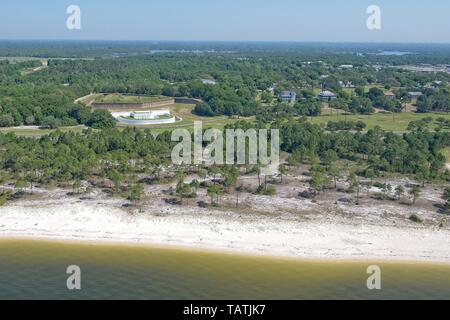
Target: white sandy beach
{"x":278,"y":234}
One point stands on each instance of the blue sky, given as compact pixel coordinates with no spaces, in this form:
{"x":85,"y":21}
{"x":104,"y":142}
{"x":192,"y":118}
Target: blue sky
{"x":228,"y":20}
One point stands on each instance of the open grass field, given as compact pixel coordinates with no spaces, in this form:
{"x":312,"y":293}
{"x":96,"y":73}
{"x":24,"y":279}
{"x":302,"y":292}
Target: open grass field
{"x":33,"y":131}
{"x":118,"y":98}
{"x":184,"y":111}
{"x":384,"y":120}
{"x":28,"y":71}
{"x":23,"y":59}
{"x":446,"y":153}
{"x":351,"y":91}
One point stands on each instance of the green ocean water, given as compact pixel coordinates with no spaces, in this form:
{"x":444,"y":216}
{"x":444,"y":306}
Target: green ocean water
{"x":37,"y":270}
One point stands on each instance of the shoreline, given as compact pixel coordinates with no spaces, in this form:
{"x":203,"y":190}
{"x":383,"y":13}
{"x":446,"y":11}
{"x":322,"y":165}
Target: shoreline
{"x":282,"y":236}
{"x":215,"y":251}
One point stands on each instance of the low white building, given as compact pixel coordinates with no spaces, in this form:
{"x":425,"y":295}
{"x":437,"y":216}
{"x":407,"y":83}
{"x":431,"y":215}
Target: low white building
{"x":150,"y":115}
{"x":209,"y":82}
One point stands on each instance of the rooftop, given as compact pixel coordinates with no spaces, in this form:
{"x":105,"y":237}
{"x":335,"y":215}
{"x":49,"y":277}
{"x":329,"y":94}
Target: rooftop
{"x":208,"y":82}
{"x":327,"y":93}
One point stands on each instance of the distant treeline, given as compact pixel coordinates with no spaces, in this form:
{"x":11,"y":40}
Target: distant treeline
{"x":242,"y":78}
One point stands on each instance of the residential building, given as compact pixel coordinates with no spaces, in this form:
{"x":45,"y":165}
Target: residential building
{"x":326,"y":96}
{"x":414,"y":95}
{"x":208,"y":82}
{"x":288,"y":96}
{"x":390,"y":95}
{"x":346,"y":84}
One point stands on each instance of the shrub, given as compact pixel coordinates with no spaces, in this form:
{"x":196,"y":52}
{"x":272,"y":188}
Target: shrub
{"x":101,"y":119}
{"x":379,"y":185}
{"x":203,"y":109}
{"x":6,"y":120}
{"x":266,"y":191}
{"x":415,"y":218}
{"x":5,"y":196}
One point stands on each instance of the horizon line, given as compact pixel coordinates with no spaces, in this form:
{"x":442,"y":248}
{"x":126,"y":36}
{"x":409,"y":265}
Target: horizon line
{"x":231,"y":41}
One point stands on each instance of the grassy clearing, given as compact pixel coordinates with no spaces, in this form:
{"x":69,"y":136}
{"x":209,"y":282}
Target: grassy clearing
{"x":446,"y":153}
{"x":384,"y":120}
{"x":36,"y":132}
{"x":23,"y":59}
{"x":29,"y":71}
{"x":350,"y":91}
{"x":184,"y":111}
{"x":118,"y":98}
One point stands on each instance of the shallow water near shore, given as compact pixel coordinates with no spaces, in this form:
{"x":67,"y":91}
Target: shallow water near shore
{"x":37,"y":270}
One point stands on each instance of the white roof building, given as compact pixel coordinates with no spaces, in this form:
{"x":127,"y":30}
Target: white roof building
{"x":209,"y":82}
{"x":149,"y":115}
{"x":326,"y":95}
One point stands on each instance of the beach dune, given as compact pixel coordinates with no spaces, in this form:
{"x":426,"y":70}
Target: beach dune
{"x":278,"y":235}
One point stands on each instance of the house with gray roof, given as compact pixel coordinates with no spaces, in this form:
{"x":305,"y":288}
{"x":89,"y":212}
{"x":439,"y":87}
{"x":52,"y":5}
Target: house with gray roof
{"x":326,"y":96}
{"x":288,"y":96}
{"x":414,"y":95}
